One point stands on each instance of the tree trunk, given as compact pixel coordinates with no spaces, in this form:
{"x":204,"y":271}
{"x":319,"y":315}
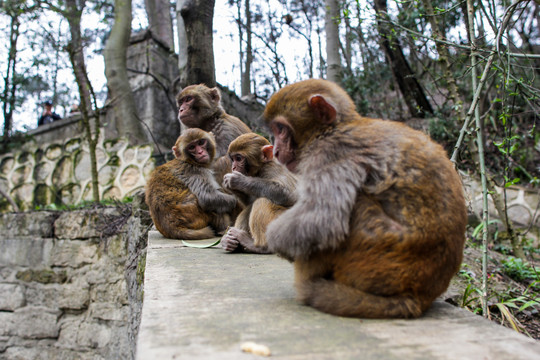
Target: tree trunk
{"x":160,"y":21}
{"x":444,"y":57}
{"x":197,"y":16}
{"x":410,"y":88}
{"x":332,"y":41}
{"x":182,"y":43}
{"x":120,"y":94}
{"x":10,"y":84}
{"x":76,"y":56}
{"x":246,"y":75}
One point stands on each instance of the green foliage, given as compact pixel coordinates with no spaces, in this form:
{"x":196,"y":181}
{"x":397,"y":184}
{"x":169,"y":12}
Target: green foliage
{"x":520,"y":270}
{"x":85,"y":204}
{"x":13,"y":142}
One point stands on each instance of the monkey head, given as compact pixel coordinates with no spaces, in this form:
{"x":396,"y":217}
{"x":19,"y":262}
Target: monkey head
{"x":196,"y":147}
{"x":249,"y":152}
{"x":300,"y":111}
{"x":198,"y":105}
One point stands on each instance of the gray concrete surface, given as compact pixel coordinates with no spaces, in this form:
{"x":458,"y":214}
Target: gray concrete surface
{"x":204,"y":303}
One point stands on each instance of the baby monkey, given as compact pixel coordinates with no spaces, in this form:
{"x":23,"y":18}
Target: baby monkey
{"x":185,"y":200}
{"x":264,"y":186}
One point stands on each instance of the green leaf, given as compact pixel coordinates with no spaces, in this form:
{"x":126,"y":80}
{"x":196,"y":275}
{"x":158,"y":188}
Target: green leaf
{"x":201,"y":244}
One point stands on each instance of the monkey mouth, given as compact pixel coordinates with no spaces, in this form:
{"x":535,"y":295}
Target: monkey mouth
{"x":204,"y":159}
{"x":185,"y":118}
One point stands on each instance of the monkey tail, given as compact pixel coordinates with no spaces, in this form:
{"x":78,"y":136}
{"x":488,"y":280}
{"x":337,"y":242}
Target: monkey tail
{"x":342,"y":300}
{"x":189,"y":234}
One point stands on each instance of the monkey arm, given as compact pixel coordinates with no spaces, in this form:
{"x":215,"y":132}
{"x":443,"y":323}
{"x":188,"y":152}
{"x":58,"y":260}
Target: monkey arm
{"x":319,"y":220}
{"x":258,"y":187}
{"x":209,"y":194}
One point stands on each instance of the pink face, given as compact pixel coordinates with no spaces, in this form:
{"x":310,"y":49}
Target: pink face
{"x":199,"y":151}
{"x":284,"y":147}
{"x":239,"y":163}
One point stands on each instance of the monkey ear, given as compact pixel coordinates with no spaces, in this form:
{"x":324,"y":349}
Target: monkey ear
{"x":215,"y":95}
{"x":325,"y":110}
{"x":176,"y":152}
{"x":267,"y":153}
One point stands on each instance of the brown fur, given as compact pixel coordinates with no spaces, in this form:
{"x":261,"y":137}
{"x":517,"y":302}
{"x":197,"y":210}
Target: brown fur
{"x":184,"y":199}
{"x":379,"y":226}
{"x":199,"y":107}
{"x":265,"y":186}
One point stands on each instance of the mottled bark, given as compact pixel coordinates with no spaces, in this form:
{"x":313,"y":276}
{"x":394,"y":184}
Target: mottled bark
{"x":410,"y":88}
{"x":333,"y":58}
{"x":197,"y":16}
{"x":120,"y":94}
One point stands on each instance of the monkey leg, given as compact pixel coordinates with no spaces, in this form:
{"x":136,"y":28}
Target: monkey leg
{"x":338,"y":299}
{"x":220,"y":222}
{"x":263,"y":212}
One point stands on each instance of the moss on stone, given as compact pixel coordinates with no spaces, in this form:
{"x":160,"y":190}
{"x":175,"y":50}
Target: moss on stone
{"x":141,"y":267}
{"x":43,"y":276}
{"x":6,"y":165}
{"x":72,"y":144}
{"x":24,"y":157}
{"x":43,"y":195}
{"x":114,"y":161}
{"x":53,"y":151}
{"x":62,"y":171}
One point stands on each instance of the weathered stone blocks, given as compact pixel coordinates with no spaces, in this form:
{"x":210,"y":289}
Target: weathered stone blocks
{"x":11,"y":297}
{"x":63,"y":284}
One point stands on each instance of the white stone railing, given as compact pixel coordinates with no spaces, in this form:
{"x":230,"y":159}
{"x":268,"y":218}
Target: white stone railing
{"x":59,"y":172}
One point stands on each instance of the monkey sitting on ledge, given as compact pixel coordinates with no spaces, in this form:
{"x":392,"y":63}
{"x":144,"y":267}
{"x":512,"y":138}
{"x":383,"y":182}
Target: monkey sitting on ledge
{"x":264,"y":186}
{"x":184,"y":199}
{"x":379,"y":225}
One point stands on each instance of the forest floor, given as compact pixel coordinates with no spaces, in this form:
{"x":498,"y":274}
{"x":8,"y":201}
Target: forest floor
{"x":513,"y":289}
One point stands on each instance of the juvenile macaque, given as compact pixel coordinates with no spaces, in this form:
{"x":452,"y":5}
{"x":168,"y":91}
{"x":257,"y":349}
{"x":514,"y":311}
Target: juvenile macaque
{"x":266,"y":187}
{"x":185,"y":200}
{"x":379,"y":225}
{"x":200,"y":107}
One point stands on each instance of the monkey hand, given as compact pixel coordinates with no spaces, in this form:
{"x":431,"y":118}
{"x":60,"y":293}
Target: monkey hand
{"x":234,"y":180}
{"x":229,"y":242}
{"x":280,"y":241}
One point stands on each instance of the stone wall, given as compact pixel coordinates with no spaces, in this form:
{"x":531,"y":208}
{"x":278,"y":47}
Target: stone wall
{"x":69,"y":284}
{"x":59,"y":172}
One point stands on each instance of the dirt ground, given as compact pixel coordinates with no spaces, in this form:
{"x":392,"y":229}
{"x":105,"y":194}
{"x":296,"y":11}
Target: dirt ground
{"x":505,"y":295}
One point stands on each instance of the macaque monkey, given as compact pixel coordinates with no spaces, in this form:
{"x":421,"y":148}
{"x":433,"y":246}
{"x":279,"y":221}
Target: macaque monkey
{"x":200,"y":107}
{"x":185,"y":200}
{"x":266,"y":187}
{"x":379,"y":225}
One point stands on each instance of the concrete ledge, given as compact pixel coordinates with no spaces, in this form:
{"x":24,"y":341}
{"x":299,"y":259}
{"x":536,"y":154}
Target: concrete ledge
{"x":204,"y":303}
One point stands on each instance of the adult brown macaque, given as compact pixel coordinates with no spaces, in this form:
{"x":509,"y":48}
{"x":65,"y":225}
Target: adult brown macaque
{"x":379,"y":225}
{"x":264,"y":186}
{"x":184,"y":199}
{"x":200,"y":107}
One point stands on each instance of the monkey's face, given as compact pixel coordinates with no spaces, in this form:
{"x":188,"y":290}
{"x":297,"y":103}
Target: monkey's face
{"x":198,"y":150}
{"x":195,"y":146}
{"x":239,"y":163}
{"x":187,"y":111}
{"x":249,"y":152}
{"x":197,"y":104}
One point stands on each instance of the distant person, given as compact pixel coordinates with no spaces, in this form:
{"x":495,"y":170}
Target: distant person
{"x":74,"y":109}
{"x":48,"y":115}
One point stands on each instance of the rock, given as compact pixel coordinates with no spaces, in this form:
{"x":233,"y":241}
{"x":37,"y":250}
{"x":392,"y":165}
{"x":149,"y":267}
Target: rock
{"x":11,"y":297}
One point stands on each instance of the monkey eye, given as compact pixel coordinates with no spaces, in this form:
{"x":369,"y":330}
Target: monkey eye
{"x":202,"y":142}
{"x":187,"y":98}
{"x":237,"y":158}
{"x":191,"y":147}
{"x":279,"y":128}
